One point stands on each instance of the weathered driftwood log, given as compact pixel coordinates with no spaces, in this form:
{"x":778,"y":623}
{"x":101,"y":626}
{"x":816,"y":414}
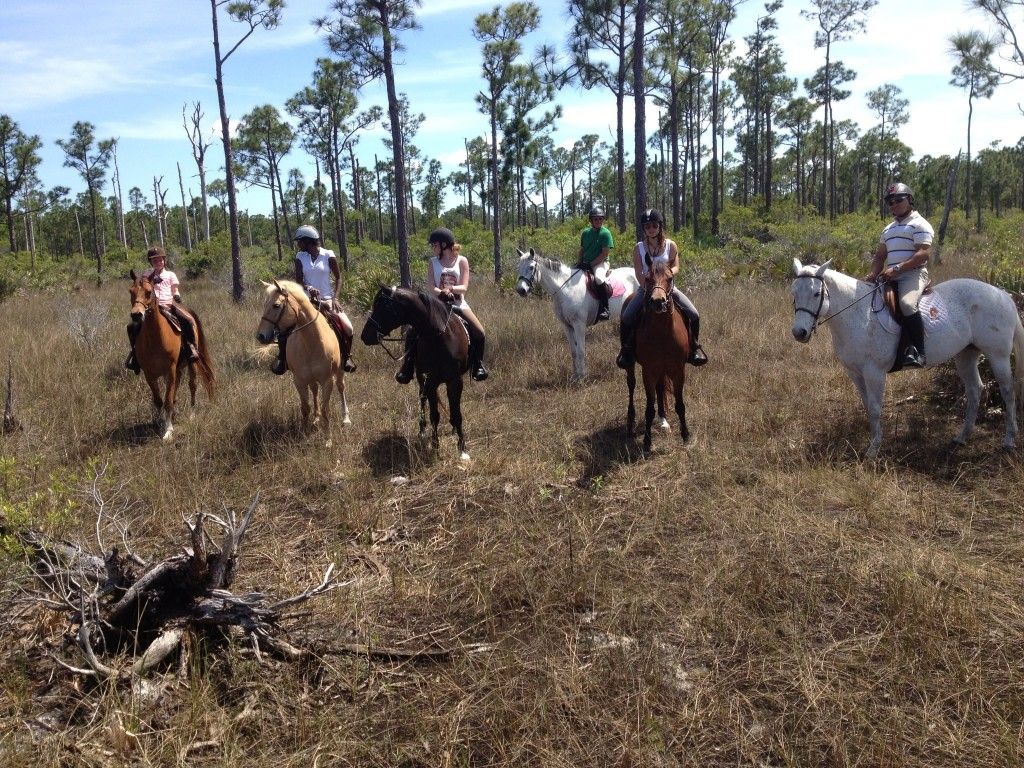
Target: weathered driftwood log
{"x":115,"y":606}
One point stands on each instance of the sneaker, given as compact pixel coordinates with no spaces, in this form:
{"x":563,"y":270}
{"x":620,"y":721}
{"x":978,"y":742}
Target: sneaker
{"x":480,"y":373}
{"x":697,"y":356}
{"x":625,"y":359}
{"x":912,"y":358}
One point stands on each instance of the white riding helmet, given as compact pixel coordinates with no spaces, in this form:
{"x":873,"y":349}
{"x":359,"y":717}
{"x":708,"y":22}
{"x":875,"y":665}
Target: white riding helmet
{"x":306,"y":231}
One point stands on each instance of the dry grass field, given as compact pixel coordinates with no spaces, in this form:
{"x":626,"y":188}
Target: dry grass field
{"x":763,"y":597}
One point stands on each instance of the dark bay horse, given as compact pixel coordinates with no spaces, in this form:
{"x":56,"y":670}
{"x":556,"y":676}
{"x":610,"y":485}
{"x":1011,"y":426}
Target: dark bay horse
{"x":442,"y":350}
{"x":662,"y":348}
{"x":158,"y":350}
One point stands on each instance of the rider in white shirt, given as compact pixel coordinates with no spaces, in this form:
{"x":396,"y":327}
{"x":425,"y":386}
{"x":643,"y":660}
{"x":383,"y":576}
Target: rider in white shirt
{"x":316,"y":270}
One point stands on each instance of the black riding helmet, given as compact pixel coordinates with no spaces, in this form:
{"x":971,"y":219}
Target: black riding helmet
{"x":443,"y":236}
{"x":597,"y":212}
{"x":651,"y":214}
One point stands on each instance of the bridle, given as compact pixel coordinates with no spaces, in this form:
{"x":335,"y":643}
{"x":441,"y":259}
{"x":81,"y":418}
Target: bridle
{"x":146,"y":304}
{"x":533,"y":275}
{"x":816,"y":313}
{"x":276,"y":323}
{"x":667,"y":301}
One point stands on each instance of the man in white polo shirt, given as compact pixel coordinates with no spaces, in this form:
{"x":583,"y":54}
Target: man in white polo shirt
{"x":902,"y":258}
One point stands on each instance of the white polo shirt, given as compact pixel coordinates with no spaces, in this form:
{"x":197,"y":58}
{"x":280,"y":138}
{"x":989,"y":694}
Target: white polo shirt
{"x":902,"y":238}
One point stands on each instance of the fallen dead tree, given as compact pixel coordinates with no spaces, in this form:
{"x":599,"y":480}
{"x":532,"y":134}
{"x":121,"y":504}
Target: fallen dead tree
{"x":122,"y":608}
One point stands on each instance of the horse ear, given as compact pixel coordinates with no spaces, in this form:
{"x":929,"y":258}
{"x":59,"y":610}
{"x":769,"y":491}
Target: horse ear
{"x":280,"y":288}
{"x":387,"y":290}
{"x":132,"y":275}
{"x":822,"y":268}
{"x":522,"y":254}
{"x":265,"y":283}
{"x":533,"y":253}
{"x":797,"y":266}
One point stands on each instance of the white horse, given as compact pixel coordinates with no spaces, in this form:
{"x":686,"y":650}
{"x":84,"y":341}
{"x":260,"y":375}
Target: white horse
{"x":963,"y":319}
{"x":575,"y":308}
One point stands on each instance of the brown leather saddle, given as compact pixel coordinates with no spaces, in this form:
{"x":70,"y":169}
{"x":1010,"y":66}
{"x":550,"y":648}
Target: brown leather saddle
{"x":172,"y":317}
{"x":593,"y":288}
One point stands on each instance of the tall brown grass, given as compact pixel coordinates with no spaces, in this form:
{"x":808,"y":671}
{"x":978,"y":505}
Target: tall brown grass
{"x":762,"y":598}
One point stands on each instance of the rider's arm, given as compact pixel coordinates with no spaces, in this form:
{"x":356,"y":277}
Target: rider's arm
{"x":332,"y":262}
{"x":463,"y":285}
{"x":638,"y":264}
{"x":600,"y":258}
{"x":673,"y":258}
{"x":877,"y":263}
{"x":298,"y":273}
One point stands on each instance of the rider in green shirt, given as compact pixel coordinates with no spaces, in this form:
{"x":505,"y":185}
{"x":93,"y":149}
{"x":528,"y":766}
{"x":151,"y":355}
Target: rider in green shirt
{"x":595,"y":244}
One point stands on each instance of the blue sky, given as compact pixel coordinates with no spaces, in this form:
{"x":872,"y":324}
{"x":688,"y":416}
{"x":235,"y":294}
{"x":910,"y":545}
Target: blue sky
{"x":129,"y":67}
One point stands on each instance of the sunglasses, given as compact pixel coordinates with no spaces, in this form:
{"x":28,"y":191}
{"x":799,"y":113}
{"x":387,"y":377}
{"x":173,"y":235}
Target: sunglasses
{"x":896,"y":199}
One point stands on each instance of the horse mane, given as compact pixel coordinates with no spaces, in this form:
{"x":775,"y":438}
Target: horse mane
{"x":438,"y":312}
{"x":553,"y":264}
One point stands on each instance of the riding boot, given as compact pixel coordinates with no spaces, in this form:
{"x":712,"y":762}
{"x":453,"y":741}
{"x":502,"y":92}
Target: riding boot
{"x":913,"y":356}
{"x":131,"y":363}
{"x":408,"y":370}
{"x":280,"y":365}
{"x":627,"y":337}
{"x":188,"y":341}
{"x":476,"y":358}
{"x":697,"y":356}
{"x":602,"y":302}
{"x":345,"y":342}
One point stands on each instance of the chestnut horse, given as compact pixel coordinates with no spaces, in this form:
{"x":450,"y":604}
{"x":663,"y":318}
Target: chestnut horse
{"x":662,"y":348}
{"x":314,"y":357}
{"x":442,"y":350}
{"x":158,"y":351}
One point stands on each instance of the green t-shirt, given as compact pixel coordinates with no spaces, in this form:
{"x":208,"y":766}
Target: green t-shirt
{"x":593,"y":241}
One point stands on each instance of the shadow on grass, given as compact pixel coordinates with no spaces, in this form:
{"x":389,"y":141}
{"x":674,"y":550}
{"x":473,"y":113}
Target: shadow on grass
{"x":134,"y":434}
{"x":605,"y":449}
{"x":270,"y":436}
{"x":395,"y":454}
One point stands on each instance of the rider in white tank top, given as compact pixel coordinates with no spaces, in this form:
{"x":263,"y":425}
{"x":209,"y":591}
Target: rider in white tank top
{"x":659,"y":257}
{"x":447,"y":277}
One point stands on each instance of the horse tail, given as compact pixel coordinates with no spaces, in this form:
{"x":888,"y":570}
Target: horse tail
{"x":204,"y":364}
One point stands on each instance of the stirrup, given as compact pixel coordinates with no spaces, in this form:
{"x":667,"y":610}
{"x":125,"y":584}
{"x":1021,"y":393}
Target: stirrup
{"x":403,"y":376}
{"x":480,"y":373}
{"x":698,"y":356}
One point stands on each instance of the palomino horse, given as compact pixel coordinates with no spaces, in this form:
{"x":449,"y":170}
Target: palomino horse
{"x":575,"y":308}
{"x":963,"y":319}
{"x":158,"y":351}
{"x":312,"y":353}
{"x":662,"y":348}
{"x":442,"y":350}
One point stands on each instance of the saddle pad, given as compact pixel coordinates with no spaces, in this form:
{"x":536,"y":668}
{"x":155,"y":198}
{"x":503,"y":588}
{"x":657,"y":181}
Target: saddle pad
{"x":933,"y":311}
{"x":618,"y":288}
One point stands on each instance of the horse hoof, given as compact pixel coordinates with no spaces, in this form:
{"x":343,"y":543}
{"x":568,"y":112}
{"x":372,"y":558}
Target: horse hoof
{"x":664,"y":426}
{"x":167,"y":435}
{"x":464,"y":457}
{"x":329,"y":444}
{"x":346,"y":421}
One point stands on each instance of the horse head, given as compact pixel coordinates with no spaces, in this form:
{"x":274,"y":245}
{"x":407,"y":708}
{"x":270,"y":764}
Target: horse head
{"x":141,"y":292}
{"x":527,"y":271}
{"x":384,"y":317}
{"x":810,"y":298}
{"x":275,"y":306}
{"x":658,"y":286}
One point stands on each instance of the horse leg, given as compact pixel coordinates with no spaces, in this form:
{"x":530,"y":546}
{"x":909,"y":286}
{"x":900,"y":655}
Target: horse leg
{"x":631,"y":409}
{"x":303,"y":403}
{"x":455,"y":415}
{"x":873,"y":393}
{"x":663,"y":404}
{"x":339,"y":382}
{"x":423,"y":410}
{"x":435,"y":416}
{"x":570,"y":337}
{"x":651,"y":389}
{"x":326,"y":388}
{"x":169,"y":402}
{"x":677,"y":387}
{"x":967,"y":366}
{"x":580,"y":350}
{"x":158,"y":401}
{"x":1004,"y":376}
